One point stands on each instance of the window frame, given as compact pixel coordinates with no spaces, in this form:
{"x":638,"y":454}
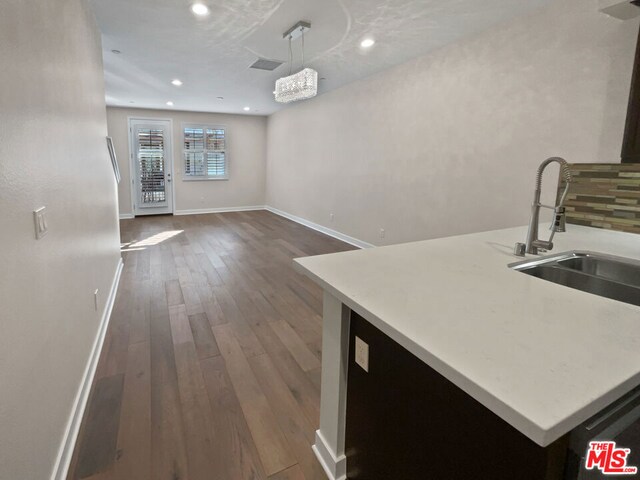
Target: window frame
{"x":205,"y":126}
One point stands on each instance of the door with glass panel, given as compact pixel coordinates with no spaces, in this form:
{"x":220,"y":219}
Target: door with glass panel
{"x":151,"y":166}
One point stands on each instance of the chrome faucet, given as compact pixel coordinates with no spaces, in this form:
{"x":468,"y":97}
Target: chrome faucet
{"x":533,"y":243}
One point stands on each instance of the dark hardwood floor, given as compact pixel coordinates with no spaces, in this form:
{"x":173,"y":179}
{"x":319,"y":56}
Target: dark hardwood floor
{"x":211,"y":364}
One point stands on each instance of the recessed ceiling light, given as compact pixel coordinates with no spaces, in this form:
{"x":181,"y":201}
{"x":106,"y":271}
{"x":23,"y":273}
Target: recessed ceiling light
{"x":246,"y":109}
{"x":200,"y":9}
{"x":176,"y":82}
{"x":367,"y":42}
{"x":170,"y":103}
{"x":117,"y":52}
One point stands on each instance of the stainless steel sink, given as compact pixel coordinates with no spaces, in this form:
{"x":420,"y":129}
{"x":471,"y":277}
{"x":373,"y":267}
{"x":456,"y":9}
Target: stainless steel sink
{"x":597,"y":273}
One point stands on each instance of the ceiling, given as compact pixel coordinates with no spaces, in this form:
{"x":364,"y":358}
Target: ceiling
{"x":161,"y":40}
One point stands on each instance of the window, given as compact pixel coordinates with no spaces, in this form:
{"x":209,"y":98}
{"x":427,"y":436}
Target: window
{"x":205,"y":156}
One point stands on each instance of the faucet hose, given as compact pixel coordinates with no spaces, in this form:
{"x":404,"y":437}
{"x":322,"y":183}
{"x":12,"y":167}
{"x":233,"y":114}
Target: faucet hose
{"x":564,"y":170}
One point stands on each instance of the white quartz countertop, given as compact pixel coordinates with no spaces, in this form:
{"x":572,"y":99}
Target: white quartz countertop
{"x":542,"y":356}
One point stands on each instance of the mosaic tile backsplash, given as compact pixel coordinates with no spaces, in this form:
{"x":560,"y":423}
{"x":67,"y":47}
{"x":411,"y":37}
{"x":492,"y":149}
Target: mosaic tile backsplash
{"x":605,"y":195}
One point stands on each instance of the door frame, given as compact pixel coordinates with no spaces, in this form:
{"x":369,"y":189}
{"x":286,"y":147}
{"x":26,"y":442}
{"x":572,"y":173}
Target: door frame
{"x":132,"y":165}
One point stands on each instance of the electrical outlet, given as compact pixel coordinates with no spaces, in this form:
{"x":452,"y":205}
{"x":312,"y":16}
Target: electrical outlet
{"x":331,"y":216}
{"x":382,"y":233}
{"x":40,"y":222}
{"x":362,"y":354}
{"x":95,"y":299}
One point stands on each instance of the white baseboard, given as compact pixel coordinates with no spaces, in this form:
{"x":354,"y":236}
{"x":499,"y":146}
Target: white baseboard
{"x":327,"y":231}
{"x":302,"y":221}
{"x":199,"y":211}
{"x":335,"y":468}
{"x":126,"y":216}
{"x":65,"y":453}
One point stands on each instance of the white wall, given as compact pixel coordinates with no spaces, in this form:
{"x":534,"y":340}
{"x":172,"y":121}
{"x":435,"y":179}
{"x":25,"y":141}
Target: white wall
{"x":449,"y":143}
{"x":246,"y":155}
{"x":52,"y":153}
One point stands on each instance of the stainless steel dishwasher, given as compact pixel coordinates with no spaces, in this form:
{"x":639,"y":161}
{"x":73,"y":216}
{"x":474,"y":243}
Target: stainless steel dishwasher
{"x":619,"y":423}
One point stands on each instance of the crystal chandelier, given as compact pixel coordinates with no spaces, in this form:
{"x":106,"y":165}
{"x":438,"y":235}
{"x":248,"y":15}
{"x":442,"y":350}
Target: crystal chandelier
{"x":298,"y":86}
{"x":301,"y":85}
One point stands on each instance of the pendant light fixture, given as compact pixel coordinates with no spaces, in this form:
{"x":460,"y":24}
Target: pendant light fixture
{"x":301,"y":85}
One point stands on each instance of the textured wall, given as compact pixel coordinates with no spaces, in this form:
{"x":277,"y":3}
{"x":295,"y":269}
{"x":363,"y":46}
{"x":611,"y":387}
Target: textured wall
{"x":449,"y":143}
{"x":246,"y":152}
{"x":52,"y":152}
{"x":605,"y":196}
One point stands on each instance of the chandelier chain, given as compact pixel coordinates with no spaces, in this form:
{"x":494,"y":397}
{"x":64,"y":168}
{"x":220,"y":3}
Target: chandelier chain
{"x":290,"y":56}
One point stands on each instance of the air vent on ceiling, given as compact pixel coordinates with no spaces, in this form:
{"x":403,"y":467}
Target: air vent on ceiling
{"x":264,"y":64}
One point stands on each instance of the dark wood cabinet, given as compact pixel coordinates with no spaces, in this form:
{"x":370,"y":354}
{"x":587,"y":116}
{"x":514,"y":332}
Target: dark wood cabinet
{"x":406,"y":421}
{"x":631,"y":140}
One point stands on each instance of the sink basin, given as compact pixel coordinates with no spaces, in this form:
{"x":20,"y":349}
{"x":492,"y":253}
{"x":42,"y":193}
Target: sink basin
{"x":599,"y":266}
{"x":600,"y":274}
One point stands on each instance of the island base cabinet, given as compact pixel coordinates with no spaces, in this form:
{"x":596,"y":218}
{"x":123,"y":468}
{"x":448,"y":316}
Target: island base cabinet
{"x":407,"y":422}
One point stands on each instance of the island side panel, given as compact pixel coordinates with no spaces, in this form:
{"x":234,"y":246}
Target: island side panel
{"x":406,"y":421}
{"x":329,"y":446}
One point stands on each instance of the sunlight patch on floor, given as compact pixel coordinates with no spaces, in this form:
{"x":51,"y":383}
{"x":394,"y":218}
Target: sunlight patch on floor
{"x":137,"y":245}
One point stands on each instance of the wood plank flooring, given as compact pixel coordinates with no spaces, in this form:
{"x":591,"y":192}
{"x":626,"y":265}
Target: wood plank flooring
{"x":211,"y":363}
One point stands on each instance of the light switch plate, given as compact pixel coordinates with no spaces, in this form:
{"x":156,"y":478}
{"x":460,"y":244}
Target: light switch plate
{"x":362,"y":354}
{"x":40,"y":222}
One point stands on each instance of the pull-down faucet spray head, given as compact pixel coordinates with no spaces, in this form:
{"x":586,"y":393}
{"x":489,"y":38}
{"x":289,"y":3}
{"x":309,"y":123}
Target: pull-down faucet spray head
{"x":560,"y":216}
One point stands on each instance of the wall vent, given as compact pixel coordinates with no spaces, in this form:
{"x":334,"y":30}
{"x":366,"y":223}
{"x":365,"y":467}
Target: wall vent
{"x":264,"y":64}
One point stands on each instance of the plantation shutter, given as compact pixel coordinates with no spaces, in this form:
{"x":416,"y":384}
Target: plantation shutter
{"x":205,"y":152}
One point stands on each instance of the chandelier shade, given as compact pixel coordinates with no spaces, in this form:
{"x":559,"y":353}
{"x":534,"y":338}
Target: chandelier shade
{"x":299,"y":86}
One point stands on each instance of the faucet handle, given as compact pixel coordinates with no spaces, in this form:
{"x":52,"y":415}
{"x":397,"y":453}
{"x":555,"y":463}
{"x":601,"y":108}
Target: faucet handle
{"x":543,"y":244}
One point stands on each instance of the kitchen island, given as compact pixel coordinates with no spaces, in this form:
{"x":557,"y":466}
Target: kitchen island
{"x":540,"y":356}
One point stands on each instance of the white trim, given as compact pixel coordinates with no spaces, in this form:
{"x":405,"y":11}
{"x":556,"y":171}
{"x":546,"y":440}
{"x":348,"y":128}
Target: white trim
{"x":204,"y":179}
{"x":199,"y":211}
{"x":314,"y":226}
{"x":335,"y":468}
{"x":126,"y":216}
{"x":327,"y":231}
{"x":65,"y":452}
